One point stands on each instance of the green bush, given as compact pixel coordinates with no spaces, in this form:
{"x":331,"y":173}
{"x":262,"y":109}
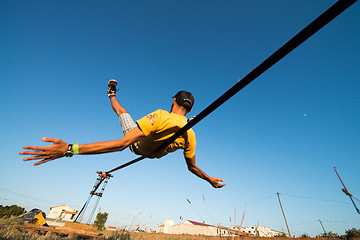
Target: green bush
{"x":10,"y":211}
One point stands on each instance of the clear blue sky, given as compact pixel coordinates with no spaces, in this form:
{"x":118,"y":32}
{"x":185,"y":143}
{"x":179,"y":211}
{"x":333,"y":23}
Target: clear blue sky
{"x":282,"y":133}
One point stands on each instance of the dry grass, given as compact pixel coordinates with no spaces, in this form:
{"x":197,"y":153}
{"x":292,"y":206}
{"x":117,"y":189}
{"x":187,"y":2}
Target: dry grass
{"x":156,"y":236}
{"x":9,"y":230}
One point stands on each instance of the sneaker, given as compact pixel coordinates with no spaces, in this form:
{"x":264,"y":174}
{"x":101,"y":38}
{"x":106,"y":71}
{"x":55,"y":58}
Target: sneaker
{"x":112,"y":88}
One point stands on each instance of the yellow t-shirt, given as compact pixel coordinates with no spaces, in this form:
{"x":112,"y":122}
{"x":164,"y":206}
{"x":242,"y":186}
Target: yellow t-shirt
{"x":161,"y":125}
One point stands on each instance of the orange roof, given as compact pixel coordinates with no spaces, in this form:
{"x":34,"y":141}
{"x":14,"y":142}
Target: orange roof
{"x":201,"y":224}
{"x":71,"y":212}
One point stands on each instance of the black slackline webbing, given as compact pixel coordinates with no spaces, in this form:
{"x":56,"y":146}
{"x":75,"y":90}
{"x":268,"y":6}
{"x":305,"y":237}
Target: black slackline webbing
{"x":347,"y":192}
{"x":298,"y":39}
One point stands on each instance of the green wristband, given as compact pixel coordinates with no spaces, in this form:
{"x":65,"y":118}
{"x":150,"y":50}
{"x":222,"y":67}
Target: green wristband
{"x":76,"y":148}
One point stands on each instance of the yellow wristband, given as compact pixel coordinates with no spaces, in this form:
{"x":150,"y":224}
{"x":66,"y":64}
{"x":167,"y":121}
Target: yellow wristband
{"x":76,"y":148}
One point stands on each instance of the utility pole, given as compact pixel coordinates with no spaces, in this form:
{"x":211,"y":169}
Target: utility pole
{"x":235,"y":218}
{"x":284,"y":215}
{"x":256,"y":230}
{"x":347,"y":192}
{"x":322,"y":227}
{"x":242,"y":219}
{"x":100,"y":181}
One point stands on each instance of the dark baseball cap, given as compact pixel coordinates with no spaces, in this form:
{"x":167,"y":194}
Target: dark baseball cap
{"x":185,"y":99}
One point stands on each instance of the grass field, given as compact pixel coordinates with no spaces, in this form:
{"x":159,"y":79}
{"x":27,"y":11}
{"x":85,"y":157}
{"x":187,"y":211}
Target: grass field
{"x":9,"y":230}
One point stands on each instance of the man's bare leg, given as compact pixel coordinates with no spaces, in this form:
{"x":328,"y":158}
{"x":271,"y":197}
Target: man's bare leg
{"x":112,"y":95}
{"x":126,"y":122}
{"x":116,"y":106}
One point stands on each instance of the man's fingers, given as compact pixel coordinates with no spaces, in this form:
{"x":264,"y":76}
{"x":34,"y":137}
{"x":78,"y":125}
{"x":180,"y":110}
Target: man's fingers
{"x":219,"y":185}
{"x":215,"y":182}
{"x":31,"y":152}
{"x":219,"y":179}
{"x":47,"y":153}
{"x":53,"y":140}
{"x":33,"y":148}
{"x":34,"y":158}
{"x":43,"y":161}
{"x":36,"y":148}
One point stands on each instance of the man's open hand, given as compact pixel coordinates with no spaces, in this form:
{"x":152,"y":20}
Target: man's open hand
{"x":48,"y":153}
{"x":214,"y":181}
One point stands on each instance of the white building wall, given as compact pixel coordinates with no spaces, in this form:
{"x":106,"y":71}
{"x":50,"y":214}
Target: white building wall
{"x":55,"y":222}
{"x":261,"y":231}
{"x":191,"y":229}
{"x":168,"y":223}
{"x":266,"y":232}
{"x":57,"y":212}
{"x":159,"y":229}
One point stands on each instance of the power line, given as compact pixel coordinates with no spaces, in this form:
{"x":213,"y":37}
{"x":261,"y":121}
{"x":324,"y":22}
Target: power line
{"x":313,"y":198}
{"x":27,"y":196}
{"x":304,"y":223}
{"x":262,"y":199}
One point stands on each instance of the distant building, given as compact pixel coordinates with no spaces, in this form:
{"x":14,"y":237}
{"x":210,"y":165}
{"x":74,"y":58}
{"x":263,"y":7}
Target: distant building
{"x":111,"y":228}
{"x":160,"y":229}
{"x":58,"y":215}
{"x":261,"y":231}
{"x":193,"y":228}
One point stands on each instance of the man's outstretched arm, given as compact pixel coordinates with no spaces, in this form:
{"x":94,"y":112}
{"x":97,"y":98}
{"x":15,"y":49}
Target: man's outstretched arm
{"x":59,"y":147}
{"x":214,"y":181}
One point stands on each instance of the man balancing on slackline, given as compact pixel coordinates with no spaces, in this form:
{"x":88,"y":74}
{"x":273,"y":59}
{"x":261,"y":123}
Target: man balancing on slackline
{"x":141,"y":137}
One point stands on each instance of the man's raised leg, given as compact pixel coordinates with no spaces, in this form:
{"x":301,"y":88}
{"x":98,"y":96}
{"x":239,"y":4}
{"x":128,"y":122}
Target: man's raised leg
{"x":126,"y":121}
{"x":118,"y":109}
{"x":116,"y":106}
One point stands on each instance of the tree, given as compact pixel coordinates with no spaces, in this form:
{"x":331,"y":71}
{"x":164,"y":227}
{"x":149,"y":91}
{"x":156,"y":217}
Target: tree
{"x":10,"y":211}
{"x":305,"y":235}
{"x":328,"y":235}
{"x":101,"y":220}
{"x":352,"y":233}
{"x":281,"y":235}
